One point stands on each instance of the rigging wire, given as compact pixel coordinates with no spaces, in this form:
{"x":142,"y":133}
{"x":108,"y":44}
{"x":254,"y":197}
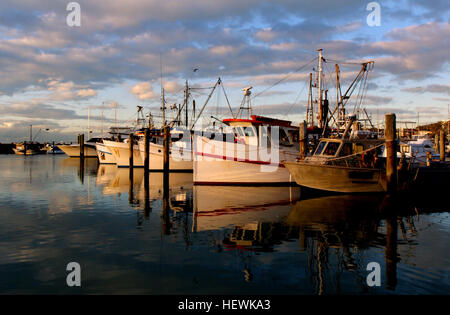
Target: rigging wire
{"x":298,"y":96}
{"x":284,"y":78}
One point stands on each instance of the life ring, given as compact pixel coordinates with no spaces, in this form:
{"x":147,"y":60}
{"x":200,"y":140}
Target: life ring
{"x":367,"y":159}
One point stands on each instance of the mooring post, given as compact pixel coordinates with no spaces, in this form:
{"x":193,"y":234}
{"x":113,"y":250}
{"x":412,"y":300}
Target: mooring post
{"x":391,"y":252}
{"x":442,"y":145}
{"x":166,"y":151}
{"x":131,"y":160}
{"x":303,"y":136}
{"x":391,"y":152}
{"x":436,"y":142}
{"x":24,"y":148}
{"x":146,"y":151}
{"x":166,"y":207}
{"x":82,"y":146}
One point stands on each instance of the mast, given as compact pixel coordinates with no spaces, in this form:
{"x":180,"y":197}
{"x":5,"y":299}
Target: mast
{"x":115,"y":114}
{"x":89,"y":125}
{"x":310,"y":107}
{"x":31,"y":133}
{"x":163,"y":108}
{"x":320,"y":89}
{"x":103,"y":104}
{"x":338,"y":97}
{"x":186,"y":96}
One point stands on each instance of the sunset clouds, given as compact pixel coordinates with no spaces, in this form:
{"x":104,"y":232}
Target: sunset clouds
{"x":118,"y":52}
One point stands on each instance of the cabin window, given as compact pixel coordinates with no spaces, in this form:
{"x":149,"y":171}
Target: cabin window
{"x":346,"y":149}
{"x":320,"y":148}
{"x":284,"y":138}
{"x":241,"y":133}
{"x":177,"y":137}
{"x":331,"y":148}
{"x":248,"y":131}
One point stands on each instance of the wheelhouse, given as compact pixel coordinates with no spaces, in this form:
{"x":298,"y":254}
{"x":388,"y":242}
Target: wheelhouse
{"x":258,"y":130}
{"x":328,"y":148}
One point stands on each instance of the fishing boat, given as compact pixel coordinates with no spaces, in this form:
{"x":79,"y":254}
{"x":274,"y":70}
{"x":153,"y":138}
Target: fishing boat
{"x":247,"y":150}
{"x":104,"y":154}
{"x":24,"y":148}
{"x":350,"y":164}
{"x":251,"y":156}
{"x":73,"y":150}
{"x":180,"y":152}
{"x":121,"y":153}
{"x":416,"y":150}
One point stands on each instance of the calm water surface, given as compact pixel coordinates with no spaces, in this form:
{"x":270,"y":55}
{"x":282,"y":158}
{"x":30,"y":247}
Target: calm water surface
{"x":208,"y":240}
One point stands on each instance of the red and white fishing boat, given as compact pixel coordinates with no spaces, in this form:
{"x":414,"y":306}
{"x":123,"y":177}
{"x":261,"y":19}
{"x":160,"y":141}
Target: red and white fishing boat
{"x":250,"y":155}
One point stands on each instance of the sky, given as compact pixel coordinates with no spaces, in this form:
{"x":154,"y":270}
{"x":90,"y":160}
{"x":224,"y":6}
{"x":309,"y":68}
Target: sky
{"x":53,"y":75}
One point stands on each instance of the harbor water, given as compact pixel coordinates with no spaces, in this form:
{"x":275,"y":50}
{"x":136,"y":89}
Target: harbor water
{"x":128,"y":239}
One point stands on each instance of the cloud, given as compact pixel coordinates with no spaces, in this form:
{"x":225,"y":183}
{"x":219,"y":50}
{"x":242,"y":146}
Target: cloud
{"x":86,"y":93}
{"x":245,"y":42}
{"x":432,"y":88}
{"x":143,"y":91}
{"x":172,"y":87}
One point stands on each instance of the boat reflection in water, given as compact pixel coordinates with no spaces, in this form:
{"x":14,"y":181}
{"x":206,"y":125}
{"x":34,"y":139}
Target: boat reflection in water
{"x":217,"y":207}
{"x":334,"y":231}
{"x":337,"y":235}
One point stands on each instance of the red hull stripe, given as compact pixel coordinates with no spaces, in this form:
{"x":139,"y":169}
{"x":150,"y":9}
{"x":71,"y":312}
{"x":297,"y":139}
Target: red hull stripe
{"x":229,"y":158}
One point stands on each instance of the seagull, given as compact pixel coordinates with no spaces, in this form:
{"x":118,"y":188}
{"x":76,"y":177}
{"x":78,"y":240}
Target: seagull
{"x":195,"y":69}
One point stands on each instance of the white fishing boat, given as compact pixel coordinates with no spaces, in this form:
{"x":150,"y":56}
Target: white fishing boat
{"x":180,"y":153}
{"x":417,"y":150}
{"x":121,"y":153}
{"x":251,"y":156}
{"x":73,"y":150}
{"x":104,"y":154}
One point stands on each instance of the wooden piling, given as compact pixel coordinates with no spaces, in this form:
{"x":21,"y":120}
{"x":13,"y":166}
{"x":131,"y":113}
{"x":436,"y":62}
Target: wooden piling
{"x":166,"y":149}
{"x":146,"y":151}
{"x":131,"y":160}
{"x":166,"y":207}
{"x":303,"y":136}
{"x":436,"y":142}
{"x":391,"y":253}
{"x":82,"y":146}
{"x":442,"y":145}
{"x":391,"y":152}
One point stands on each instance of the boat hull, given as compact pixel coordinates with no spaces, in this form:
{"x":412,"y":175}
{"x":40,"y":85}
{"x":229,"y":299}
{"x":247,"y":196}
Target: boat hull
{"x":73,"y":150}
{"x":28,"y":152}
{"x":180,"y":158}
{"x":121,"y":153}
{"x":104,"y":154}
{"x":222,"y":163}
{"x":337,"y":178}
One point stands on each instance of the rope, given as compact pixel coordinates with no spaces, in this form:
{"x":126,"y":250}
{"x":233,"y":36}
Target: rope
{"x":355,"y":154}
